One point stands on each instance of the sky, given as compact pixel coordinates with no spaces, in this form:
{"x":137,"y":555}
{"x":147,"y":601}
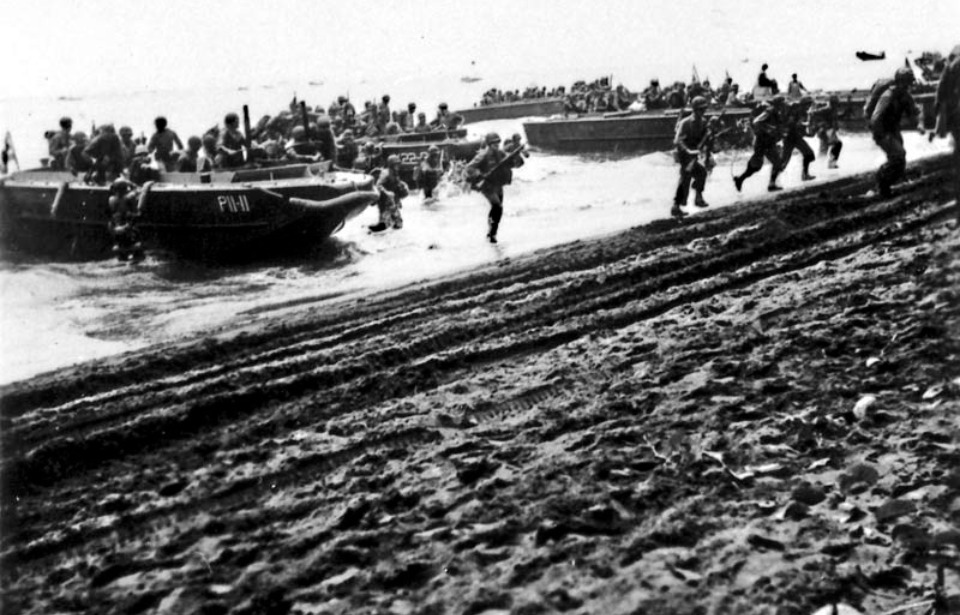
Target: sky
{"x":65,"y":47}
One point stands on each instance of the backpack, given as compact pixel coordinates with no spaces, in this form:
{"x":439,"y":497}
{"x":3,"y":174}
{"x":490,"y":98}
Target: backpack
{"x":876,"y":92}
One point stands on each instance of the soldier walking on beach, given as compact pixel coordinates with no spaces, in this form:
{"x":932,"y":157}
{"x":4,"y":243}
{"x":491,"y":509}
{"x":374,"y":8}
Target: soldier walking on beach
{"x":691,"y":137}
{"x":947,"y":108}
{"x":766,"y":134}
{"x":893,"y":104}
{"x":489,"y":171}
{"x":825,"y":123}
{"x":794,"y":129}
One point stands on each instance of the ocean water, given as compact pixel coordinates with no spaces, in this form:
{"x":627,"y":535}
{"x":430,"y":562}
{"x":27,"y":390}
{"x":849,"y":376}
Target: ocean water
{"x":56,"y":314}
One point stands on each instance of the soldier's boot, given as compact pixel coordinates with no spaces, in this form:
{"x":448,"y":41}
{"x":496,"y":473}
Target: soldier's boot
{"x":699,"y":202}
{"x":492,"y":231}
{"x":806,"y":173}
{"x":676,"y":212}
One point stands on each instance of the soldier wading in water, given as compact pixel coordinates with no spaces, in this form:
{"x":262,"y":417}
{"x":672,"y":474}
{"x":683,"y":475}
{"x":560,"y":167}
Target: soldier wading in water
{"x":489,"y":172}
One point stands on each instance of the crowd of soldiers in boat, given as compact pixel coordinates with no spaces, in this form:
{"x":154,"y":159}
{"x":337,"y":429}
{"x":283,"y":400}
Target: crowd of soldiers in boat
{"x":349,"y":140}
{"x":599,"y":96}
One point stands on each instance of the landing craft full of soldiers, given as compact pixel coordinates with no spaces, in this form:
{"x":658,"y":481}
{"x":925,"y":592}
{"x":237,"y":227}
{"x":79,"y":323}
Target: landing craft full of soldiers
{"x":743,"y":404}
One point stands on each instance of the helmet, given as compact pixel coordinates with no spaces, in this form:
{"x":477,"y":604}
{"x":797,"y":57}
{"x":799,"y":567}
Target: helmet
{"x":433,"y":149}
{"x":412,"y":107}
{"x":140,"y":150}
{"x":393,"y":159}
{"x":323,"y":122}
{"x":231,"y":118}
{"x":341,"y":99}
{"x":194,"y":142}
{"x":492,"y":137}
{"x":904,"y":75}
{"x":699,"y":102}
{"x":422,"y":114}
{"x":806,"y":100}
{"x":777,"y":100}
{"x":386,"y":98}
{"x":516,"y":136}
{"x":80,"y":136}
{"x":298,"y":132}
{"x":443,"y":105}
{"x":126,"y":130}
{"x":108,"y":128}
{"x":65,"y":122}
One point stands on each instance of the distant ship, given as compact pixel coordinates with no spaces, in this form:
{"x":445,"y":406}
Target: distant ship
{"x":470,"y":79}
{"x":69,"y":98}
{"x":865,"y":56}
{"x":315,"y":82}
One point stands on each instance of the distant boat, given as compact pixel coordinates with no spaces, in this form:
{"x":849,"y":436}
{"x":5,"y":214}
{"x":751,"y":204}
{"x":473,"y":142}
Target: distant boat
{"x":69,"y":98}
{"x":315,"y":82}
{"x":866,"y":57}
{"x":470,"y":79}
{"x":243,"y":88}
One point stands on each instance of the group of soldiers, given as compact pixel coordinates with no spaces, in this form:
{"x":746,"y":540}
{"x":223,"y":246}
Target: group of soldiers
{"x":781,"y":126}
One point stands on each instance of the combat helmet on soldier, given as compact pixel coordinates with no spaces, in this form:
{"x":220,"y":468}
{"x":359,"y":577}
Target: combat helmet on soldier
{"x":492,"y":138}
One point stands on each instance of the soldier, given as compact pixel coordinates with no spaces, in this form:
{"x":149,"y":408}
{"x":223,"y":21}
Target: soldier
{"x":421,"y":125}
{"x":347,"y":150}
{"x":231,"y":144}
{"x":140,"y":171}
{"x":189,"y":160}
{"x":106,"y":153}
{"x":893,"y":104}
{"x":429,"y":171}
{"x":163,"y":143}
{"x":76,"y":161}
{"x":326,"y":140}
{"x":299,"y":149}
{"x":129,"y":146}
{"x":368,"y":160}
{"x":392,"y":191}
{"x":488,"y":170}
{"x":59,"y":145}
{"x":825,"y":122}
{"x":947,"y":108}
{"x":691,"y":138}
{"x":766,"y":134}
{"x":794,"y":129}
{"x":123,"y":199}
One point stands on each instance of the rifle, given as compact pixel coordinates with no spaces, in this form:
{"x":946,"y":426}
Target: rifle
{"x":476,"y":181}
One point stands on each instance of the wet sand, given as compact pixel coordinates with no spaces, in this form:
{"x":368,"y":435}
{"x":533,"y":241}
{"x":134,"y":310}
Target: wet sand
{"x":752,"y":412}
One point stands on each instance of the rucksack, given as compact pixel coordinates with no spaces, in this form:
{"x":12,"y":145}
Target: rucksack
{"x":876,"y":92}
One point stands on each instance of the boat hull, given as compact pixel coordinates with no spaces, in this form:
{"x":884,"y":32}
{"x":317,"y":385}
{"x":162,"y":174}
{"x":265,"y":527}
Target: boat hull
{"x":617,"y":134}
{"x":54,"y":215}
{"x":540,"y":107}
{"x":411,"y":153}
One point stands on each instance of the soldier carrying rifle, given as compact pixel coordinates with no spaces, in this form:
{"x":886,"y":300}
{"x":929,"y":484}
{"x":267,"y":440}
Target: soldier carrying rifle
{"x":694,"y":141}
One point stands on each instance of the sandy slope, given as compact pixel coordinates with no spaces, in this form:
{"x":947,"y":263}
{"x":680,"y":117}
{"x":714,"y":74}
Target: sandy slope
{"x":674,"y":420}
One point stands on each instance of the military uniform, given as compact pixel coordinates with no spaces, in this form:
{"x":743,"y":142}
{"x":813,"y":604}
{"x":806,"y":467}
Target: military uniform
{"x":794,"y":130}
{"x":947,"y":107}
{"x":392,"y":192}
{"x":691,"y":135}
{"x":766,"y":135}
{"x":824,"y":122}
{"x":487,"y":161}
{"x":893,"y":104}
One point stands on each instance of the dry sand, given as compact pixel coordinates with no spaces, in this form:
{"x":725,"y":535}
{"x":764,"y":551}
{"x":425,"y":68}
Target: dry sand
{"x":753,"y":412}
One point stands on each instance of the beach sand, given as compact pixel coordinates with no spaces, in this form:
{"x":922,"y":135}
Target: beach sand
{"x":755,"y":411}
